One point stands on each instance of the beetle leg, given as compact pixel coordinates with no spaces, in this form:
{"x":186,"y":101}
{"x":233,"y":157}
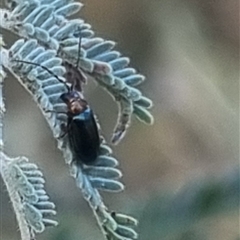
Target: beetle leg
{"x":65,"y":130}
{"x":62,"y":135}
{"x":53,"y":111}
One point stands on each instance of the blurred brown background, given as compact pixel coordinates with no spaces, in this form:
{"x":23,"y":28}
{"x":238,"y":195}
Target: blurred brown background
{"x":189,"y":52}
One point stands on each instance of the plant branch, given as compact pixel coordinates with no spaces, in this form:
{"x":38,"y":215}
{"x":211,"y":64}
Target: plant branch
{"x":4,"y":160}
{"x":14,"y":197}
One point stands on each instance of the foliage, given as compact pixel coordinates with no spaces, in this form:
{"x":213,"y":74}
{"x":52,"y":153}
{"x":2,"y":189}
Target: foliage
{"x":50,"y":39}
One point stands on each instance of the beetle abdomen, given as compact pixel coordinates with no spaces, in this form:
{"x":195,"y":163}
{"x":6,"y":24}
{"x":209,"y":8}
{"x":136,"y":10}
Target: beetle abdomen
{"x":84,"y":137}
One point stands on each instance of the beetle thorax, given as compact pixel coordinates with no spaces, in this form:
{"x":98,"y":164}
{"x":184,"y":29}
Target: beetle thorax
{"x":76,"y":107}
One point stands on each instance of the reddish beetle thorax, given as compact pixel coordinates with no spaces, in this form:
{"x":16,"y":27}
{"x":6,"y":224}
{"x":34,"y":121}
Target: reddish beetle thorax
{"x":76,"y":107}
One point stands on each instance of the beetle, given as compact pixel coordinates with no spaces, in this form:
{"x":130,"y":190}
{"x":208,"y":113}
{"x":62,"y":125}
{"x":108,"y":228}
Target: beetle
{"x":81,"y":129}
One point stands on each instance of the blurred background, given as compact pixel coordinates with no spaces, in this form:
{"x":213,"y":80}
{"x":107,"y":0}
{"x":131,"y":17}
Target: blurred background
{"x":182,"y":173}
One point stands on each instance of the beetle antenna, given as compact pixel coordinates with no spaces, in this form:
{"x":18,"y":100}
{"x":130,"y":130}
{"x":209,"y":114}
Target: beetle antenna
{"x":79,"y":46}
{"x":45,"y":68}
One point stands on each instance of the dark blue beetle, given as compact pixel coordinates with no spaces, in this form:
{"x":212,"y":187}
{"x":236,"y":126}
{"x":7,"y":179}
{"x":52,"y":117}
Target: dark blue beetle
{"x":81,"y":129}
